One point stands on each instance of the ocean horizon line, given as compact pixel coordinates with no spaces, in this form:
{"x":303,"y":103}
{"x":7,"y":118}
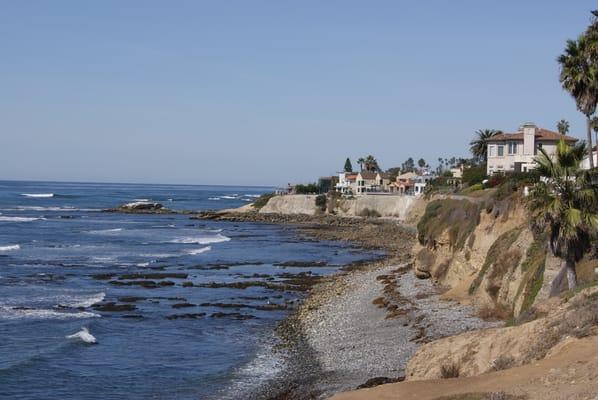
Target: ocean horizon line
{"x":136,"y":183}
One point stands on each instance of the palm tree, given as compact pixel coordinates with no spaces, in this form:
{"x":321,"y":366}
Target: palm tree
{"x":479,"y":146}
{"x":579,"y":76}
{"x":563,"y":126}
{"x":566,"y":203}
{"x":361,"y":161}
{"x":371,"y":164}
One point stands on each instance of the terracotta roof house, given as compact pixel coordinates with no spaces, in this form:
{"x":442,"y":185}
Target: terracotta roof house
{"x":366,"y":182}
{"x":515,"y":152}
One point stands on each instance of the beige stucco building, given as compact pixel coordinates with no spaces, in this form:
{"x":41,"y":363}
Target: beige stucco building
{"x":515,"y":152}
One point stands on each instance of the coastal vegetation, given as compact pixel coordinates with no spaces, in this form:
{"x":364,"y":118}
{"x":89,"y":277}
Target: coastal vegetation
{"x":262,"y":200}
{"x":566,"y":204}
{"x":579,"y":74}
{"x":563,"y":127}
{"x":479,"y":145}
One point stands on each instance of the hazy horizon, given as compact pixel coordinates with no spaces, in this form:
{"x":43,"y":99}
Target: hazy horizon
{"x":263,"y":94}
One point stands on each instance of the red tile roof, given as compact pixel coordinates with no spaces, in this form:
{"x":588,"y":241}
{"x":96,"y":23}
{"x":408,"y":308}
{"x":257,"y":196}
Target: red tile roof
{"x":541,"y":134}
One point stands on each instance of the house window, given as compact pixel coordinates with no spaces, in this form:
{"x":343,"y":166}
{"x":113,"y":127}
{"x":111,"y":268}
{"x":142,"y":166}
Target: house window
{"x":501,"y":150}
{"x":512,"y":148}
{"x":491,"y":151}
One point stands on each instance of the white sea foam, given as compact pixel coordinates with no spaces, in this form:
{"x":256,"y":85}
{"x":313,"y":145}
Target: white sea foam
{"x":107,"y":230}
{"x":142,"y":200}
{"x":11,"y":247}
{"x":267,"y":365}
{"x":84,"y":336}
{"x":36,"y":313}
{"x":229,"y":197}
{"x":252,"y":195}
{"x":38,"y":195}
{"x":214,"y":198}
{"x":82,"y":300}
{"x":18,"y":219}
{"x":202,"y":240}
{"x":247,"y":200}
{"x":144,"y":264}
{"x":199,"y":251}
{"x":40,"y":208}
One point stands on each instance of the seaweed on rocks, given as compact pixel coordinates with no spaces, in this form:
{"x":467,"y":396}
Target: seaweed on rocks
{"x":114,"y":307}
{"x":153,"y":275}
{"x":186,"y":316}
{"x":237,"y":316}
{"x":183,"y":305}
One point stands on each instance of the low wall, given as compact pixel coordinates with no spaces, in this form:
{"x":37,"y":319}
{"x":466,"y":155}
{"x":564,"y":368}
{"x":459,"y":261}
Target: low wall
{"x":387,"y":206}
{"x":291,"y":204}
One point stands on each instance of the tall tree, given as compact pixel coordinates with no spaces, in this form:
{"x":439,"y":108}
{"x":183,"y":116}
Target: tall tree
{"x":566,"y":203}
{"x":348,"y":166}
{"x":579,"y":76}
{"x":361,"y":161}
{"x":371,"y":164}
{"x":479,"y":145}
{"x":563,"y":126}
{"x":595,"y":128}
{"x":408,"y":165}
{"x":421,"y":163}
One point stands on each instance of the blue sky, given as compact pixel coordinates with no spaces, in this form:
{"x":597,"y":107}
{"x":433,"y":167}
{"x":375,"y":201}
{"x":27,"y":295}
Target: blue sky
{"x":269,"y":92}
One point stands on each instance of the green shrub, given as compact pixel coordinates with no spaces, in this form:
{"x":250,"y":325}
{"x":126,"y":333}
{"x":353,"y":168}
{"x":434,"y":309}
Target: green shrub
{"x":321,"y":202}
{"x":310,"y":188}
{"x":473,"y":188}
{"x":475,"y":174}
{"x":262,"y":200}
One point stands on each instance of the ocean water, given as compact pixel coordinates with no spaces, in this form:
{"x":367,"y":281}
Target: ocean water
{"x":63,"y":261}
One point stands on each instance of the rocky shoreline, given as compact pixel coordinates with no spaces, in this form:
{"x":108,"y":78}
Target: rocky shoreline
{"x":359,"y":327}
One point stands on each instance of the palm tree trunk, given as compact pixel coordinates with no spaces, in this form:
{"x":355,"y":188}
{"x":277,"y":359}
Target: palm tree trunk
{"x":568,"y":270}
{"x":571,"y":274}
{"x":589,"y":126}
{"x":555,"y":286}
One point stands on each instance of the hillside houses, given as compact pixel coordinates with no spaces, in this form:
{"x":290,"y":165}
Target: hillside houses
{"x":376,"y":182}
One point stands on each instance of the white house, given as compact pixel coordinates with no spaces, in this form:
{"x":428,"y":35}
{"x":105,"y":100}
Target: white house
{"x":346,"y":183}
{"x":515,"y":152}
{"x":421,"y":181}
{"x":585,"y":163}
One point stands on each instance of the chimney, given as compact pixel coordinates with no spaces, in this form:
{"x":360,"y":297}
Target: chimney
{"x":529,"y":137}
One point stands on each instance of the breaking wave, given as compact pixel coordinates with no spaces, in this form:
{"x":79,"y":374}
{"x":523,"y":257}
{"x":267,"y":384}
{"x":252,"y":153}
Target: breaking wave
{"x":37,"y":313}
{"x":199,"y":251}
{"x":82,"y":300}
{"x":10,"y":247}
{"x":202,"y":240}
{"x":18,"y":219}
{"x":38,"y":195}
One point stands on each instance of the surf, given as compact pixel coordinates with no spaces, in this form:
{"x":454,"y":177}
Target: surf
{"x":84,"y":336}
{"x":38,"y":195}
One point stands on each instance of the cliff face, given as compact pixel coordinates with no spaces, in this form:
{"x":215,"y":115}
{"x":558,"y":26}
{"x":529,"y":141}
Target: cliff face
{"x":291,"y":204}
{"x":361,"y":206}
{"x":484,"y":253}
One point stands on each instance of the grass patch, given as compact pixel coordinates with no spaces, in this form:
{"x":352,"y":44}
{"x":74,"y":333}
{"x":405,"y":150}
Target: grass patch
{"x":498,"y":255}
{"x":459,"y":217}
{"x":262,"y":200}
{"x":533,"y":266}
